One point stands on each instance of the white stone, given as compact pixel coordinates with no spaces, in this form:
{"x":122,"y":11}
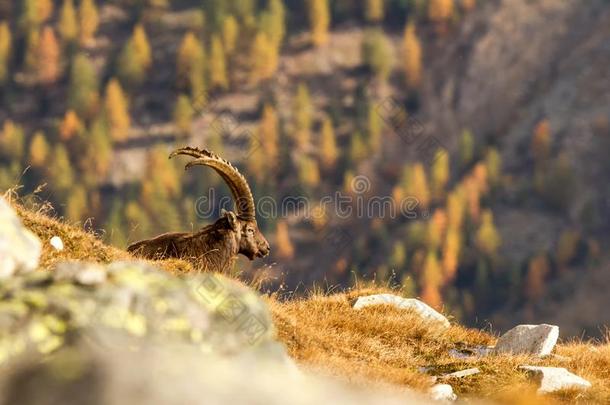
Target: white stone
{"x":422,"y":309}
{"x":20,"y":249}
{"x":442,"y":392}
{"x":529,"y":339}
{"x":57,"y":243}
{"x":462,"y":373}
{"x":553,"y":379}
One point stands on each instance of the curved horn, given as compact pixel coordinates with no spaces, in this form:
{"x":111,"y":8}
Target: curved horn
{"x":244,"y":201}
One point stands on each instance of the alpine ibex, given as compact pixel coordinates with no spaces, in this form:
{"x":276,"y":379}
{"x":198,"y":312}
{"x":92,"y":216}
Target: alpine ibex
{"x":216,"y":246}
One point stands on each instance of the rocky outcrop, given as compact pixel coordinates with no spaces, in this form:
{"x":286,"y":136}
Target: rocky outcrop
{"x":418,"y":307}
{"x":19,"y":248}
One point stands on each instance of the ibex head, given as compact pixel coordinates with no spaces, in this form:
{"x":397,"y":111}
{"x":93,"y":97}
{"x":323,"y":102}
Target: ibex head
{"x":250,"y":241}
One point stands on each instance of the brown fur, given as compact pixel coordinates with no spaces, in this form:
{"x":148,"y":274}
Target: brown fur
{"x":214,"y":247}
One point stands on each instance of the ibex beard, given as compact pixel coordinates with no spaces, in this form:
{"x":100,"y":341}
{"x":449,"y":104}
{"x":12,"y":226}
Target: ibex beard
{"x":214,"y":247}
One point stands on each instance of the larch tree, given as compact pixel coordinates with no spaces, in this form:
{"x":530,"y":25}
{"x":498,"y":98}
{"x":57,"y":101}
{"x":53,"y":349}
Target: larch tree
{"x":135,"y":58}
{"x":95,"y":161}
{"x":12,"y":141}
{"x":493,"y":165}
{"x":269,"y":137}
{"x":39,"y":150}
{"x":83,"y":93}
{"x":378,"y":53}
{"x":5,"y":51}
{"x":468,"y":5}
{"x":436,"y":227}
{"x":273,"y":23}
{"x":541,"y":142}
{"x":116,"y":108}
{"x":31,"y":50}
{"x":418,"y":185}
{"x":451,"y":252}
{"x":374,"y":10}
{"x":455,"y":209}
{"x":264,"y":58}
{"x":70,"y":126}
{"x":412,"y":56}
{"x":431,"y":281}
{"x":375,"y":126}
{"x":319,"y":21}
{"x":191,"y":68}
{"x":358,"y":150}
{"x":48,"y":57}
{"x":440,"y":11}
{"x":308,"y":171}
{"x":487,"y":237}
{"x":68,"y":22}
{"x":35,"y":13}
{"x":60,"y":170}
{"x":88,"y":21}
{"x":183,"y":114}
{"x":230,"y":34}
{"x":567,"y":248}
{"x":302,"y":112}
{"x":218,"y":65}
{"x":466,"y":148}
{"x":537,"y":271}
{"x":440,"y":174}
{"x":285,"y":248}
{"x":329,"y":152}
{"x":76,"y":205}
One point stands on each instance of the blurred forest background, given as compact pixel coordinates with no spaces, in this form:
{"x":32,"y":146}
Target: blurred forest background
{"x":507,"y":104}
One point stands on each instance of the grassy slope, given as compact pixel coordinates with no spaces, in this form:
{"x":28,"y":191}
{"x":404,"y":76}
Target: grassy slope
{"x":378,"y":345}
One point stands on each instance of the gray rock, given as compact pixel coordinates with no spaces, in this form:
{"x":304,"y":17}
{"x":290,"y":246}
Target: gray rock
{"x":442,"y":393}
{"x":82,"y":273}
{"x":417,"y":306}
{"x":538,"y":340}
{"x":553,"y":379}
{"x":20,"y":249}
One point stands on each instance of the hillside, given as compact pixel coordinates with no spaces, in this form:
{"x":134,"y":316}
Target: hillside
{"x":375,"y":347}
{"x":492,"y":117}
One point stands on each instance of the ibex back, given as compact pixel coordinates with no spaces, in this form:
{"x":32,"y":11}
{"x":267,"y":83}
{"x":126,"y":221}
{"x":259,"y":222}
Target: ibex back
{"x":214,"y":247}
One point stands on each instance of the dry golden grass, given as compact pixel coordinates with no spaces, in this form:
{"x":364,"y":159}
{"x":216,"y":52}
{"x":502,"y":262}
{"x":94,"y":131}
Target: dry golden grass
{"x":379,"y":345}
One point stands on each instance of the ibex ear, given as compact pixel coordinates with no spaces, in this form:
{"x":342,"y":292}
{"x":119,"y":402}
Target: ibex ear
{"x":232,"y":218}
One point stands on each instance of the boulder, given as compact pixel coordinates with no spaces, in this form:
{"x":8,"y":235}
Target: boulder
{"x":412,"y":304}
{"x":553,"y":379}
{"x":20,"y":249}
{"x":442,"y":393}
{"x":538,"y":340}
{"x":40,"y":310}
